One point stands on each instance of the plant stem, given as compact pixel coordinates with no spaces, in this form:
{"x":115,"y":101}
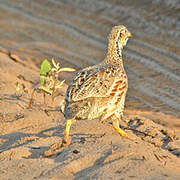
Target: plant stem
{"x":32,"y":97}
{"x":44,"y":95}
{"x":53,"y":90}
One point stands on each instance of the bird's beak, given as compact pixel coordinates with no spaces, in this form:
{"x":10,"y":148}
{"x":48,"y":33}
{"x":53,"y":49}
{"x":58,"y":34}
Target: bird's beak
{"x":129,"y":34}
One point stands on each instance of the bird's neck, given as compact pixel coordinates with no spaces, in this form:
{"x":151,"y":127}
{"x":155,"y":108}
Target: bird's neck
{"x":114,"y":55}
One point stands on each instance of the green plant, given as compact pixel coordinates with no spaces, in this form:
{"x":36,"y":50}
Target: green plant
{"x":49,"y":80}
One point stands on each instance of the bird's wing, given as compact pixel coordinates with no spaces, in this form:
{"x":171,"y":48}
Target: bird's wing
{"x":102,"y":81}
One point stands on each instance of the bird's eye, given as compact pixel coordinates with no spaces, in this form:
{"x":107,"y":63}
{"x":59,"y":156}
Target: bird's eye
{"x":122,"y":32}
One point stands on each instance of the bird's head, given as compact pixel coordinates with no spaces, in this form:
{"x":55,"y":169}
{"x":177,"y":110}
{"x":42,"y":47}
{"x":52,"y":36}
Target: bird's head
{"x":120,"y":35}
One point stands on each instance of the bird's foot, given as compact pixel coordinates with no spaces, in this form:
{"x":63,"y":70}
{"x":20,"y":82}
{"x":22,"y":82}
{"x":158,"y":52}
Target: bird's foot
{"x":124,"y":134}
{"x":54,"y":149}
{"x":66,"y":140}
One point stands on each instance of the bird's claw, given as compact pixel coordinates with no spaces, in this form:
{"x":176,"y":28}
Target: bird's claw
{"x":56,"y":147}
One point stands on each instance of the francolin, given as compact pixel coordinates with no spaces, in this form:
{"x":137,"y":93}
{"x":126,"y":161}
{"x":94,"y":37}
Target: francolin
{"x":99,"y":91}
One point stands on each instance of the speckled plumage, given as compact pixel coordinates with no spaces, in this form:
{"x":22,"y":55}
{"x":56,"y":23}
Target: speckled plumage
{"x":99,"y":91}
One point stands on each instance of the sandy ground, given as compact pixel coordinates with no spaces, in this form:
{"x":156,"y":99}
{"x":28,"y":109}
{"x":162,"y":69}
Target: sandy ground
{"x":75,"y":33}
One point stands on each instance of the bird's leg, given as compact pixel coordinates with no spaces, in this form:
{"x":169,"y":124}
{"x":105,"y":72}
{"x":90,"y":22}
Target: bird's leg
{"x":67,"y":138}
{"x":65,"y":142}
{"x":119,"y":130}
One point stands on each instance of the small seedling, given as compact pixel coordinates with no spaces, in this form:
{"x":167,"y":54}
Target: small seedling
{"x":17,"y":87}
{"x":20,"y":88}
{"x":49,"y":80}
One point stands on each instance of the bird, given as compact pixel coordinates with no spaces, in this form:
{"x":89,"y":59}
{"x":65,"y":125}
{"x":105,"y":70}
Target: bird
{"x":99,"y":91}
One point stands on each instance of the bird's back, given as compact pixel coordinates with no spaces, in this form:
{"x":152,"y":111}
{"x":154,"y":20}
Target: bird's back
{"x":92,"y":89}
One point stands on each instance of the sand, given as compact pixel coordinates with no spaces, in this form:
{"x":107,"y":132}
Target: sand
{"x":75,"y":34}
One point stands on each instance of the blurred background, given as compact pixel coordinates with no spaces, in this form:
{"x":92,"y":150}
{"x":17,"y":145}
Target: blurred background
{"x":75,"y":32}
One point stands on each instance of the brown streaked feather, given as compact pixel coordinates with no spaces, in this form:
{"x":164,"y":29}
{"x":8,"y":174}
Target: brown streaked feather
{"x":102,"y":81}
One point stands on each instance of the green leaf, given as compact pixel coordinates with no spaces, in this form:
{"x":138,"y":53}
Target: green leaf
{"x":58,"y":86}
{"x":46,"y":89}
{"x":17,"y":86}
{"x":54,"y":64}
{"x":67,"y":69}
{"x":45,"y":68}
{"x":43,"y":79}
